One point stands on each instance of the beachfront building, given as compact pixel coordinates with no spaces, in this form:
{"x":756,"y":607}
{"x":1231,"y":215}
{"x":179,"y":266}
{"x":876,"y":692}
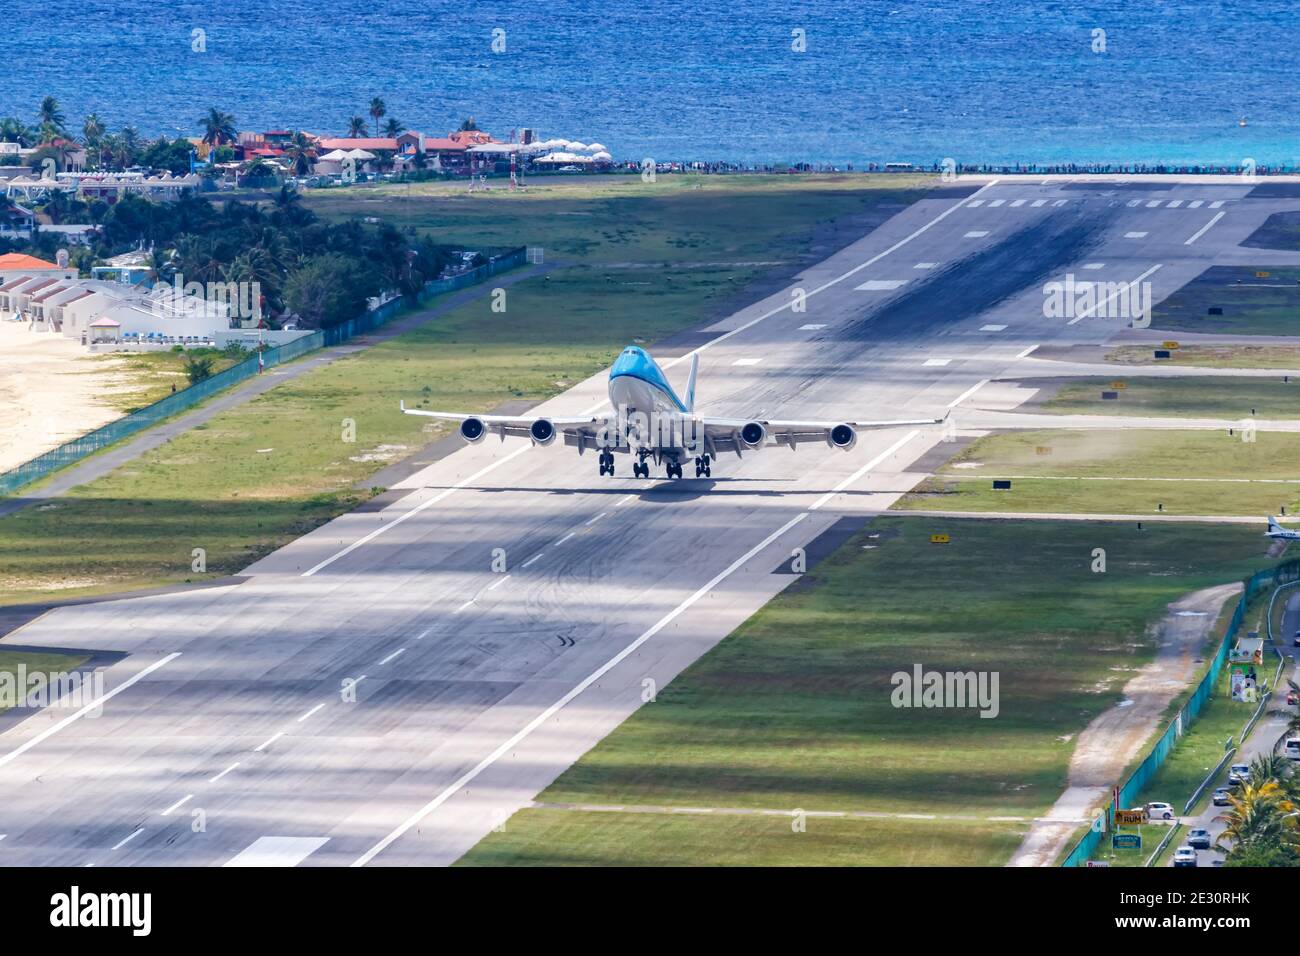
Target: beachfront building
{"x":14,"y":264}
{"x":100,"y":313}
{"x":110,"y":187}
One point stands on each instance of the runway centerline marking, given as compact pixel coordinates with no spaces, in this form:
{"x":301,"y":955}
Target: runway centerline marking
{"x":178,"y":804}
{"x":1204,"y":229}
{"x":500,"y":581}
{"x":463,"y":606}
{"x":533,"y":560}
{"x":622,"y":501}
{"x":268,"y":741}
{"x":968,"y":393}
{"x":595,"y":519}
{"x":99,"y":702}
{"x":312,"y":711}
{"x":565,"y":538}
{"x":391,"y":657}
{"x":121,"y":843}
{"x":224,"y":772}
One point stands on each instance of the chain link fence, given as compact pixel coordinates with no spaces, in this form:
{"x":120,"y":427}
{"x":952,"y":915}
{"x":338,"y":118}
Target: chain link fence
{"x":1272,"y":578}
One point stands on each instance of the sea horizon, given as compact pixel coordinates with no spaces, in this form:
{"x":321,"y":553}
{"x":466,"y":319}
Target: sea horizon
{"x":753,"y":83}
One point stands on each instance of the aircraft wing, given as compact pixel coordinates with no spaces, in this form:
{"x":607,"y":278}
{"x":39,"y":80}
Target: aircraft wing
{"x":517,"y":426}
{"x":724,"y":433}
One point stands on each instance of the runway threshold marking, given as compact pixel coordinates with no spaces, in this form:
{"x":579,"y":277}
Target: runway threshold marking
{"x":1204,"y":229}
{"x":98,"y":702}
{"x":524,"y":732}
{"x":776,"y":310}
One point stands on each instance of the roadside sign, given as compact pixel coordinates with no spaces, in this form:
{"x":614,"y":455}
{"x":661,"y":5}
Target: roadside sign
{"x":1126,"y":841}
{"x":1162,"y":353}
{"x":1043,"y":450}
{"x":939,"y":539}
{"x":1119,"y":385}
{"x":1098,"y":864}
{"x":1170,"y":344}
{"x":1001,"y":484}
{"x":1130,"y":817}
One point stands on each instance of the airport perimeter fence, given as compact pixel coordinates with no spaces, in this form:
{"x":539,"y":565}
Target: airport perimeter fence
{"x":73,"y":451}
{"x":1272,"y":578}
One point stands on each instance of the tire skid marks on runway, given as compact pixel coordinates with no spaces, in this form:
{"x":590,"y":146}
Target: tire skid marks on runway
{"x":524,"y":732}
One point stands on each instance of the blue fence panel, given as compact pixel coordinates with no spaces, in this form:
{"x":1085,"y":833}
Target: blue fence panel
{"x":1128,"y":793}
{"x":70,"y":452}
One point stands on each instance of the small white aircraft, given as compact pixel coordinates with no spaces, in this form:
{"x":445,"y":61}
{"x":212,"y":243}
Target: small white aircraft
{"x":650,"y":422}
{"x":1275,"y":530}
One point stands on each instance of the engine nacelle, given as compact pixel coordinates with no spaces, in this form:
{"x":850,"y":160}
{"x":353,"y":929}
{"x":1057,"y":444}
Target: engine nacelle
{"x":542,"y":431}
{"x":473,"y":430}
{"x":842,"y":437}
{"x":752,"y":435}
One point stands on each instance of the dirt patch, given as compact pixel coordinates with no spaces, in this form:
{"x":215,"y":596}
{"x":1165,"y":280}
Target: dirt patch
{"x":1115,"y":738}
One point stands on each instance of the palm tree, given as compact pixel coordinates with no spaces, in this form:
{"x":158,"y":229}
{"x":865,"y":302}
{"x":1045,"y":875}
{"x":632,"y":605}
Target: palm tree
{"x":1257,"y":815}
{"x":393,"y":128}
{"x":218,"y":127}
{"x":377,"y":111}
{"x":356,"y":126}
{"x":1268,"y":768}
{"x":50,"y":119}
{"x":301,"y":153}
{"x":14,"y":130}
{"x":92,"y":130}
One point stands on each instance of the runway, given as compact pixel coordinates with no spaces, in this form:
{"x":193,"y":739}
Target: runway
{"x":392,"y":686}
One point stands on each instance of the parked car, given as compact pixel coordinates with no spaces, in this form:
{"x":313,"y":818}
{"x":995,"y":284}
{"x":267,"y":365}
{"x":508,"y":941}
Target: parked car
{"x":1185,"y":856}
{"x":1198,"y":838}
{"x":1222,"y":797}
{"x":1160,"y":811}
{"x":1237,"y":773}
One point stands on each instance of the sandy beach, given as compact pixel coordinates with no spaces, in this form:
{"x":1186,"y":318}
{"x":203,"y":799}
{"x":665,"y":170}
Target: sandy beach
{"x":51,"y":390}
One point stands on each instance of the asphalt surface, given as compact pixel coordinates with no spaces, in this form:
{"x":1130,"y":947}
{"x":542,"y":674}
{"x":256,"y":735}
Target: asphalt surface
{"x":1262,"y":740}
{"x":376,"y":693}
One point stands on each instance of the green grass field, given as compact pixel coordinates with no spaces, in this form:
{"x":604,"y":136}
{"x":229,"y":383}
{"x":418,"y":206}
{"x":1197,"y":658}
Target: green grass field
{"x":1252,"y":305}
{"x":1118,"y":472}
{"x":1212,"y":356}
{"x":1191,"y":397}
{"x":46,"y":663}
{"x":220,"y":488}
{"x":793,"y":709}
{"x":152,"y":374}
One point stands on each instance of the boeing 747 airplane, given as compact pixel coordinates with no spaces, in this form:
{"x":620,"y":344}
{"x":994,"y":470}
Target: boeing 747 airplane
{"x":651,"y":423}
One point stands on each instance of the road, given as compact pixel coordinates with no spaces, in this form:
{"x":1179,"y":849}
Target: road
{"x":1261,"y":740}
{"x":375,"y":693}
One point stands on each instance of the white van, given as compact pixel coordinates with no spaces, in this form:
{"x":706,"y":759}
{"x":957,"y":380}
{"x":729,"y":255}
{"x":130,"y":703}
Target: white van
{"x":1292,"y":748}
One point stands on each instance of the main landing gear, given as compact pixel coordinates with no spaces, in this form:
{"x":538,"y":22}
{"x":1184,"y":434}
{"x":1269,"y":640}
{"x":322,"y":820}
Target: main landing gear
{"x":674,"y":469}
{"x":607,"y":463}
{"x":702,"y":469}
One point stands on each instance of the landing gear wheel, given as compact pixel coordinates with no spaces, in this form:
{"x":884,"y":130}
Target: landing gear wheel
{"x":702,"y":467}
{"x":607,"y":463}
{"x":674,"y":469}
{"x":640,"y":470}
